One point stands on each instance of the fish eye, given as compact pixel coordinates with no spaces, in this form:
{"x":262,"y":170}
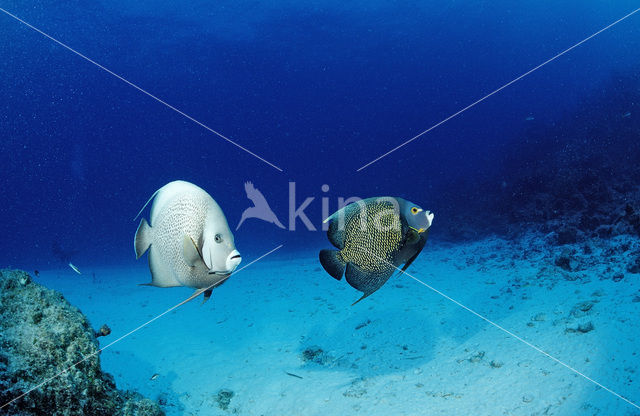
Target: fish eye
{"x":218,"y":238}
{"x":414,"y":210}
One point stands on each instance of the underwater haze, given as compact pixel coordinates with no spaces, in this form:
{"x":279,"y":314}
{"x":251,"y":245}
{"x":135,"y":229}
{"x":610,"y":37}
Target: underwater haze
{"x":531,"y":273}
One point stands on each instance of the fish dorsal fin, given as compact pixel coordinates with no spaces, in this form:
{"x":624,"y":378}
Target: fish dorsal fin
{"x":147,"y":203}
{"x":190,"y":252}
{"x":334,"y":215}
{"x":346,"y":210}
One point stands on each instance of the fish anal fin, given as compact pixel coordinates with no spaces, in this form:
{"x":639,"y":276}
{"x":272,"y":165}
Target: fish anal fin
{"x":332,"y":263}
{"x":355,"y":276}
{"x":190,"y":252}
{"x":365,"y":282}
{"x":207,"y":295}
{"x":197,"y":293}
{"x":362,"y":297}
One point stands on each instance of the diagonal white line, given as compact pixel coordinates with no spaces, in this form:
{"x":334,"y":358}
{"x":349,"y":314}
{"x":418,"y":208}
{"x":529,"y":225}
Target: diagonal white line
{"x":507,"y":331}
{"x":126,"y":335}
{"x":524,"y":341}
{"x":496,"y":91}
{"x":140,"y":89}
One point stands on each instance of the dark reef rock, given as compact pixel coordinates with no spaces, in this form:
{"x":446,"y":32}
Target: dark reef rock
{"x":567,"y":235}
{"x":581,"y":329}
{"x":223,"y":398}
{"x":632,"y":218}
{"x":634,"y":265}
{"x":564,"y":262}
{"x":41,"y":335}
{"x":576,"y":177}
{"x":618,"y":277}
{"x":315,"y":354}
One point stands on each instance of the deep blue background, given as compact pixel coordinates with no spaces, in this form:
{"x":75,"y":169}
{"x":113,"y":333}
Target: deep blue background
{"x":319,"y":89}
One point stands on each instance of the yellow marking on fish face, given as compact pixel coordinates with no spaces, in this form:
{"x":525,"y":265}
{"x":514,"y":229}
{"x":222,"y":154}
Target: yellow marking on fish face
{"x":419,"y":230}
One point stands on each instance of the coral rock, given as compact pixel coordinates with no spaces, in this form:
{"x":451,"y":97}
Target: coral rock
{"x":41,"y":336}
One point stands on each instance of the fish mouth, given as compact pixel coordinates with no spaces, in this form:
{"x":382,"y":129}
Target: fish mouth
{"x":221,"y":272}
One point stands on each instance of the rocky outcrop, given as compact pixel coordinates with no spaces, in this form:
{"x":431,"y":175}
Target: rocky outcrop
{"x":41,"y":335}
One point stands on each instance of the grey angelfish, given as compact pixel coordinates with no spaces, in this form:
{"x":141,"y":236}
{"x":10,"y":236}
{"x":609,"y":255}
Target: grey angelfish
{"x":189,"y":240}
{"x":374,"y":237}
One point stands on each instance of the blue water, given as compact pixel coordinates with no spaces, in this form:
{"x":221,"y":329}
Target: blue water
{"x":318,"y":89}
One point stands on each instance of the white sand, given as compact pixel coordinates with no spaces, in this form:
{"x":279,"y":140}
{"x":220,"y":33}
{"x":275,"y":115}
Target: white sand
{"x":404,"y":351}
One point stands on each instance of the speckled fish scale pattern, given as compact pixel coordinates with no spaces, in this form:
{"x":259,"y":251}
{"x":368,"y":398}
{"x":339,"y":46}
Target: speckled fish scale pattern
{"x":383,"y":240}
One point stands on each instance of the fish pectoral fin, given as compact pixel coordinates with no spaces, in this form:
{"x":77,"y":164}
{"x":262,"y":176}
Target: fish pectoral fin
{"x":413,"y":236}
{"x":205,"y":254}
{"x":190,"y":252}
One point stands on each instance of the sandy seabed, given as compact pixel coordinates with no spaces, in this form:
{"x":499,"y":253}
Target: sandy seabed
{"x":281,"y":337}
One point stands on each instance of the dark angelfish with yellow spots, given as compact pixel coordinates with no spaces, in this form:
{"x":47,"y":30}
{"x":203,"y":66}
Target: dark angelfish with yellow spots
{"x":374,"y":237}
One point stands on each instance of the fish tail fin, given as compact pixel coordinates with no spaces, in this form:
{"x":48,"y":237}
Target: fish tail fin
{"x":142,"y":241}
{"x":332,"y":263}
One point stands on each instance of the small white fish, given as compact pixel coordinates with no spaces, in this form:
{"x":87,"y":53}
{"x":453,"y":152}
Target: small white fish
{"x":530,"y":118}
{"x":627,"y":114}
{"x":75,"y":269}
{"x":189,"y":241}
